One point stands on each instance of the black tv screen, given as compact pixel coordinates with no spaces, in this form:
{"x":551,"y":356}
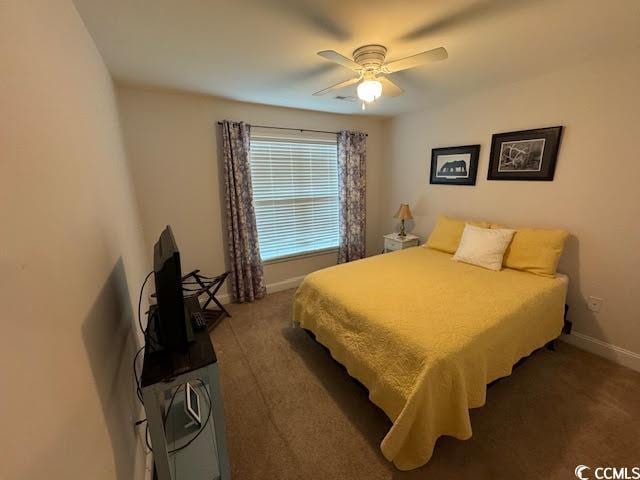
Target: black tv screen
{"x":172,"y":328}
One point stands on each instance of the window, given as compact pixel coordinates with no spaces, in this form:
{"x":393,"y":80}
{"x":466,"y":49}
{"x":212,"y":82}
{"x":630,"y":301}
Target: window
{"x":295,"y":192}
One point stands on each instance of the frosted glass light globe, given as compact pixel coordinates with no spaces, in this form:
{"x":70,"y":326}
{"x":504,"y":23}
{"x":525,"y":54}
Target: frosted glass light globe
{"x":369,"y":90}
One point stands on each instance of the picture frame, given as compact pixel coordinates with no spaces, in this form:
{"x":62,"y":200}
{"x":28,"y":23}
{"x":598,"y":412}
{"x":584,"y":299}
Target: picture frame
{"x":192,"y":403}
{"x":529,"y":155}
{"x":454,"y":165}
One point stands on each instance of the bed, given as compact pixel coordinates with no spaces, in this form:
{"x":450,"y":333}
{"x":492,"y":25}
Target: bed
{"x":426,"y":334}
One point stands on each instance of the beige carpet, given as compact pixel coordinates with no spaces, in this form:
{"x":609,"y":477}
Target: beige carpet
{"x":294,"y":413}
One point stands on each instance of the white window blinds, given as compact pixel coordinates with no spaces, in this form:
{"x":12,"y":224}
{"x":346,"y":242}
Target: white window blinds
{"x":295,"y":192}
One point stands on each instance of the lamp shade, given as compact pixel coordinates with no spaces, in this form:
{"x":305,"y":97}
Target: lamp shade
{"x":404,"y":212}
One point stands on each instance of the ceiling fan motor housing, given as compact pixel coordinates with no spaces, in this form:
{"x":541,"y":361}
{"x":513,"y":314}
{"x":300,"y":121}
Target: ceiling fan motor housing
{"x":370,"y":57}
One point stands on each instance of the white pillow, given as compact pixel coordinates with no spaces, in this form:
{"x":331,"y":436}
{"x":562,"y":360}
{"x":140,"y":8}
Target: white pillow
{"x":483,"y":247}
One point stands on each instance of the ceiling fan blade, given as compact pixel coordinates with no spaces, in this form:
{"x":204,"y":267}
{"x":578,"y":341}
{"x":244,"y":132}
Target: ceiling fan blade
{"x":334,"y":56}
{"x":474,"y":12}
{"x":313,"y":15}
{"x":416,"y":60}
{"x":390,"y":89}
{"x":338,"y":86}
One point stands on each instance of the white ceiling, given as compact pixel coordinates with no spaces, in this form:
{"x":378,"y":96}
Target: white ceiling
{"x":264,"y":50}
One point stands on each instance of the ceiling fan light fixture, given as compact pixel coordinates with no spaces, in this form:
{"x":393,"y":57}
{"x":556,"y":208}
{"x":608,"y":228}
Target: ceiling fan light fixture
{"x":369,"y":90}
{"x":370,"y":70}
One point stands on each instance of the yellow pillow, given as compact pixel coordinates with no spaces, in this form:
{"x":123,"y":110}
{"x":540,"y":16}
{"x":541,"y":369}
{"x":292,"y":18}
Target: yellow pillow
{"x":536,"y":250}
{"x":447,"y":233}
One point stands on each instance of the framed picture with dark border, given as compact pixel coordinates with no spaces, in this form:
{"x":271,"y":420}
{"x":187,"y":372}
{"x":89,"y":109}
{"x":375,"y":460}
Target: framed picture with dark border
{"x":524,"y":155}
{"x":454,"y":165}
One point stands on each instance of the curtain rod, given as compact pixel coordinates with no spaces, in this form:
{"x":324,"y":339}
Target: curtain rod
{"x":295,"y":129}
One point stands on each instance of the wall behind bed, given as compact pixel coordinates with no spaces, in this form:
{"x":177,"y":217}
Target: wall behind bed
{"x":595,"y":194}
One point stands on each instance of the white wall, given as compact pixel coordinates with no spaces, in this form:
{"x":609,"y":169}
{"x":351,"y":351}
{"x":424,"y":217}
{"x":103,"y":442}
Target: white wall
{"x":71,"y":257}
{"x":595,"y":194}
{"x":172,"y":141}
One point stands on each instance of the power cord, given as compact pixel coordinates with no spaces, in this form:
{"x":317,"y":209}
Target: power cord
{"x":135,"y":358}
{"x":135,"y":361}
{"x":146,"y":437}
{"x":146,"y":433}
{"x":150,"y":337}
{"x":144,"y":332}
{"x":135,"y":375}
{"x":173,"y":397}
{"x":142,"y":329}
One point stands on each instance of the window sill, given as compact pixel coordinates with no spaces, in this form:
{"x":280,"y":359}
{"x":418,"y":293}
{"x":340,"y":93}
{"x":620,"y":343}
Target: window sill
{"x":299,"y":256}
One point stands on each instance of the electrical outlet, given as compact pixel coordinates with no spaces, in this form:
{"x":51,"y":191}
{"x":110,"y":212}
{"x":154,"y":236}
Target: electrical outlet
{"x":595,"y":304}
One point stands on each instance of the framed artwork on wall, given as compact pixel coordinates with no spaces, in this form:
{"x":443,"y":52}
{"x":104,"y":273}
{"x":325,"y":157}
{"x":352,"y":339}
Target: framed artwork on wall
{"x":454,"y":165}
{"x":524,"y":155}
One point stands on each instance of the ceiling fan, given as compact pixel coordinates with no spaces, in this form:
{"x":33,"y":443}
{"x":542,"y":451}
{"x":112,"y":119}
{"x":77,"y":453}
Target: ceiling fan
{"x":371,"y":71}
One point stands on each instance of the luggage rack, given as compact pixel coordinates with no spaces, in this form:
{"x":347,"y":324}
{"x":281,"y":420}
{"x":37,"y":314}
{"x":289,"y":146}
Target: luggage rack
{"x":194,"y":285}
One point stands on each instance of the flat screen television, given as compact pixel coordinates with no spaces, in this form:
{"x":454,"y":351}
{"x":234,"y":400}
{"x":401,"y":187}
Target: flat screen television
{"x":172,"y":323}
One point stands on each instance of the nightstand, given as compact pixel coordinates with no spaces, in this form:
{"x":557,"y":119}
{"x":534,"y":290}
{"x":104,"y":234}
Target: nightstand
{"x":393,"y":242}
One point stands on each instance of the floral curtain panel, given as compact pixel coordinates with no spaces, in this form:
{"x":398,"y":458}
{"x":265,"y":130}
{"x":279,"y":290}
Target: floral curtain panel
{"x":247,"y":279}
{"x":352,"y":158}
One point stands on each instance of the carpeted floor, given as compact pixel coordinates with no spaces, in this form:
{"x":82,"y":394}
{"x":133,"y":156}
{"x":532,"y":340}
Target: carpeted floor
{"x":294,"y":413}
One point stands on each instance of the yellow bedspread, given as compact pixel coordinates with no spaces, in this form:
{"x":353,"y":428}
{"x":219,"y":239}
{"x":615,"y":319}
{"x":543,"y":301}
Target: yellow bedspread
{"x":426,"y":335}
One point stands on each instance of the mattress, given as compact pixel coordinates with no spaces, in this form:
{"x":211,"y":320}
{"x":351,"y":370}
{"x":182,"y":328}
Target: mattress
{"x":426,"y":334}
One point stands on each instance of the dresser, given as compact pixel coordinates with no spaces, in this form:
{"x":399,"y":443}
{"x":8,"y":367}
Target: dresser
{"x":182,"y":448}
{"x":393,"y":242}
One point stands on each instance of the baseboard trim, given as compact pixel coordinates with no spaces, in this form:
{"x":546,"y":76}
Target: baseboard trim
{"x":293,"y":282}
{"x":614,"y":353}
{"x":285,"y":284}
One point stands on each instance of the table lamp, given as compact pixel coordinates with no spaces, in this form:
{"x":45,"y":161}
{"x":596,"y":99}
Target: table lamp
{"x":403,"y":213}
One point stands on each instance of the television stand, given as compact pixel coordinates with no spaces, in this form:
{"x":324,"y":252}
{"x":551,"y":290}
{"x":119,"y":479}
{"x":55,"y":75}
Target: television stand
{"x":164,"y":374}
